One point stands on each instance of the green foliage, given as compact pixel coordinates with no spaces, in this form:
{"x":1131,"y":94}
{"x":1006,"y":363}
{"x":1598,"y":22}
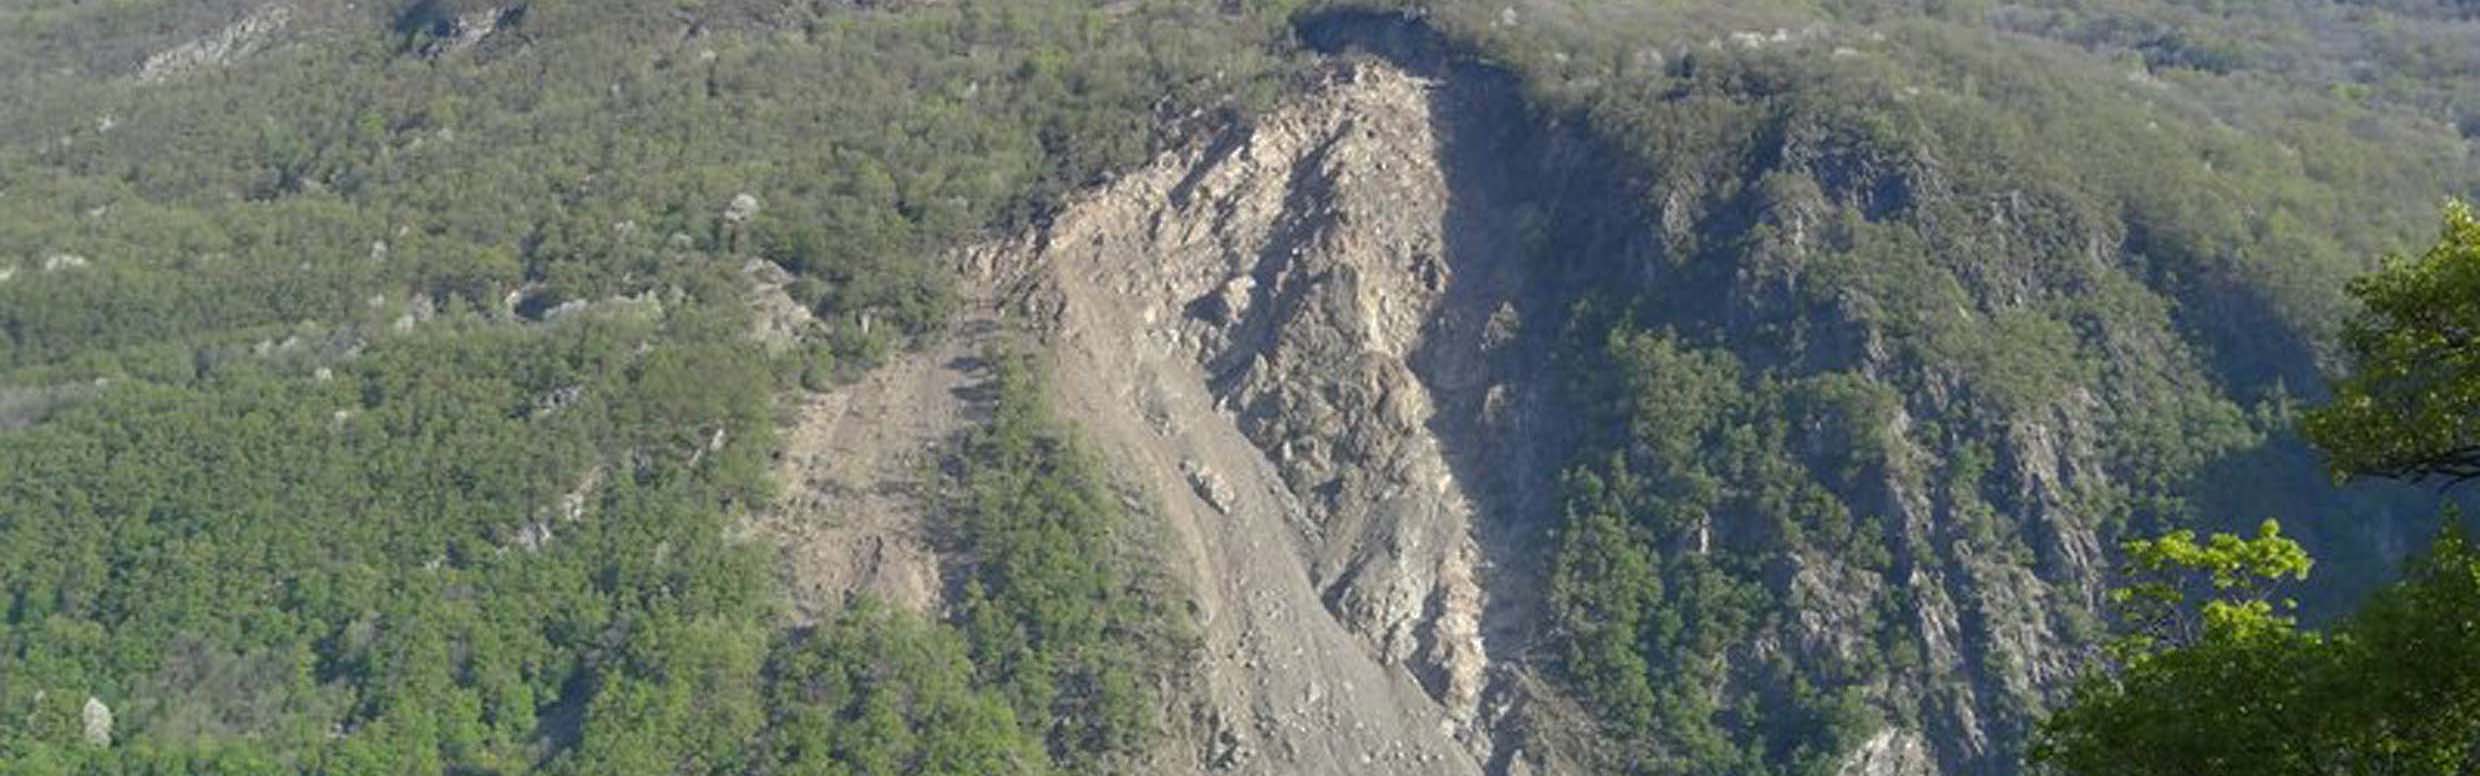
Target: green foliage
{"x":2154,"y":602}
{"x":2396,"y":710}
{"x":382,"y":564}
{"x":1060,"y":611}
{"x":572,"y":155}
{"x":2383,"y":691}
{"x":1658,"y":573}
{"x":2410,"y":408}
{"x":876,"y":693}
{"x":1604,"y":589}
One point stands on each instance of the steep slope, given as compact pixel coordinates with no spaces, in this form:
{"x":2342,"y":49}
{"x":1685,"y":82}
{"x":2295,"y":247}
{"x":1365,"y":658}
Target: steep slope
{"x":1241,"y":318}
{"x":1305,"y":336}
{"x":1232,"y":326}
{"x":1235,"y":327}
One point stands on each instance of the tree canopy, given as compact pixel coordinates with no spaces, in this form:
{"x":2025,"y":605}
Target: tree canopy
{"x":2392,"y":689}
{"x":2410,"y":408}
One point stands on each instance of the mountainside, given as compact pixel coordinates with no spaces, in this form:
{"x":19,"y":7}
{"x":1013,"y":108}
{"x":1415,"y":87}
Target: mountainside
{"x":1527,"y":387}
{"x":1893,"y":541}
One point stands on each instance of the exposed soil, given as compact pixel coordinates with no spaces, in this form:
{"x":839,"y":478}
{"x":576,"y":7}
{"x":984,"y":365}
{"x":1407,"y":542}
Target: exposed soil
{"x":859,"y":470}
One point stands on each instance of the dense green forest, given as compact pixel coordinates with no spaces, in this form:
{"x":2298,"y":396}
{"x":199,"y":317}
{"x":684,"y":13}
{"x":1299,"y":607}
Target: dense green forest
{"x":376,"y":393}
{"x":382,"y":405}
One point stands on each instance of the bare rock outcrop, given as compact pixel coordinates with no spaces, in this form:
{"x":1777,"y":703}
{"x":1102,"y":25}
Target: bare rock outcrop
{"x":221,"y":48}
{"x":1891,"y":752}
{"x":96,"y":720}
{"x":1249,"y":322}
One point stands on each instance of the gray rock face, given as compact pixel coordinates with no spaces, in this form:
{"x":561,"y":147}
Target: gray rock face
{"x":1892,"y":752}
{"x":461,"y":32}
{"x":219,"y":49}
{"x":1256,"y":313}
{"x":743,"y":208}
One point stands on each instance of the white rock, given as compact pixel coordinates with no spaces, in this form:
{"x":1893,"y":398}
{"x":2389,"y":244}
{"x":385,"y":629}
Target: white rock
{"x":98,"y":722}
{"x":743,"y":208}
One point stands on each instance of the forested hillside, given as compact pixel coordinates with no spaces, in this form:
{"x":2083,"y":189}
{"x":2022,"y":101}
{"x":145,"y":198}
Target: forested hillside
{"x":1933,"y":319}
{"x":386,"y":387}
{"x":378,"y":389}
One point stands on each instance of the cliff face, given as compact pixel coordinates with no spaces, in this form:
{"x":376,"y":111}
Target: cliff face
{"x":1245,"y":325}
